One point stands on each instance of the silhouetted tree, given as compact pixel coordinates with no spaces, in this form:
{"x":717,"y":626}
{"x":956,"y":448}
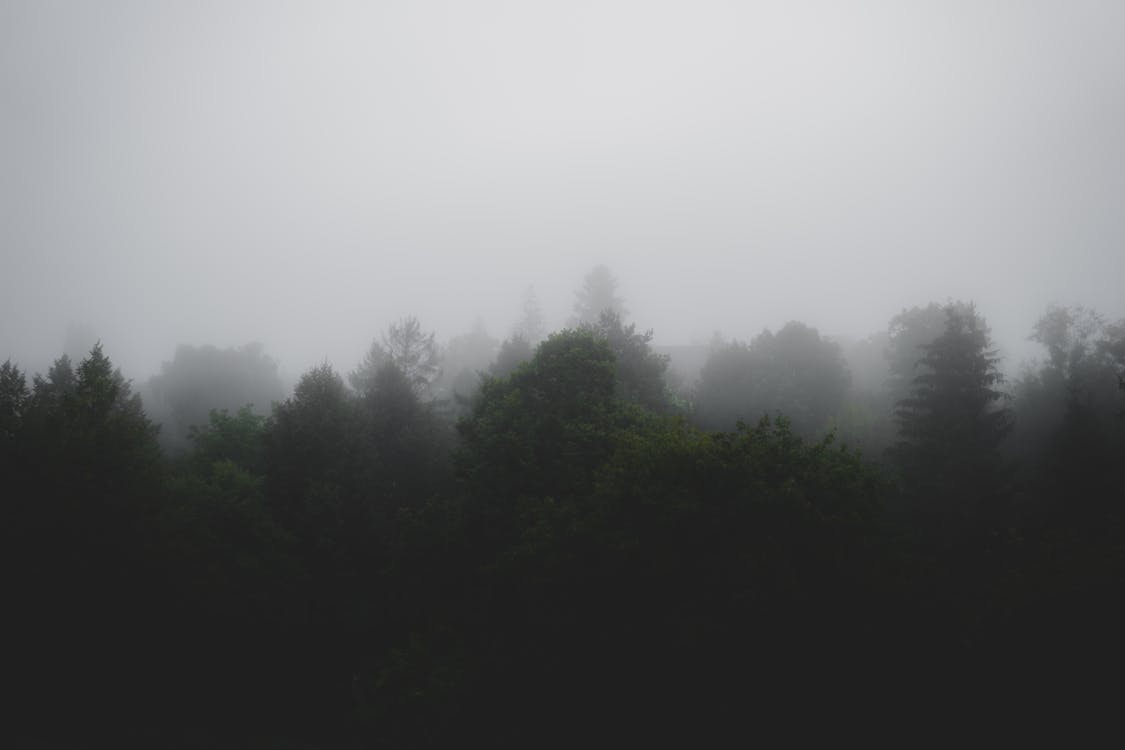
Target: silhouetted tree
{"x":1068,"y":430}
{"x":908,"y":334}
{"x":952,"y":424}
{"x":406,"y":446}
{"x":13,"y":402}
{"x":84,"y":522}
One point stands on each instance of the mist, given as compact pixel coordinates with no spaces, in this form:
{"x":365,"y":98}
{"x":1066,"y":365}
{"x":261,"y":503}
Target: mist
{"x":303,"y":175}
{"x":435,"y":373}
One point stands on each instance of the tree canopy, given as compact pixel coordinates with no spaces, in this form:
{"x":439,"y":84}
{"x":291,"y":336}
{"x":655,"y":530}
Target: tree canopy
{"x":794,"y":372}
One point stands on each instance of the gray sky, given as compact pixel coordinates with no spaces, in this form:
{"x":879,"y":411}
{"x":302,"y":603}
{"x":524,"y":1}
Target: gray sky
{"x":303,"y":173}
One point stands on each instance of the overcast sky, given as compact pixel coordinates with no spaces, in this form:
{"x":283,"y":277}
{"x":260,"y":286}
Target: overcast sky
{"x":303,"y":173}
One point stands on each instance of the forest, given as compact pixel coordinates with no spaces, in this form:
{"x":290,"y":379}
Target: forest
{"x":554,"y":539}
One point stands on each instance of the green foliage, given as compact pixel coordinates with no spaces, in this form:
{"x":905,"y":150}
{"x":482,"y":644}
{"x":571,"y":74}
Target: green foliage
{"x":235,"y":438}
{"x":342,"y":572}
{"x":639,"y":371}
{"x":95,"y":419}
{"x":543,"y":429}
{"x":199,"y":379}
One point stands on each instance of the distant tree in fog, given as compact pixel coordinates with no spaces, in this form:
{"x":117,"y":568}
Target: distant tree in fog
{"x":598,"y":294}
{"x":411,"y":349}
{"x":199,"y":379}
{"x":794,"y":372}
{"x":908,"y":334}
{"x":531,"y":325}
{"x":513,"y":352}
{"x":1069,"y":426}
{"x":465,"y":357}
{"x":954,"y":420}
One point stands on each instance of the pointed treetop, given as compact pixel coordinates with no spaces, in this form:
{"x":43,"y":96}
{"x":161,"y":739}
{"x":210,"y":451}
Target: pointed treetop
{"x":598,"y":294}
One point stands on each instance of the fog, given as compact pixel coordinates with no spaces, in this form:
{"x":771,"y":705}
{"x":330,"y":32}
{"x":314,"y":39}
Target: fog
{"x":302,"y":174}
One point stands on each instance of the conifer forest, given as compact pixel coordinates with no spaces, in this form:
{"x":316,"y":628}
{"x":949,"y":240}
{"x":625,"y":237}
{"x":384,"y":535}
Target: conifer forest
{"x":519,"y":375}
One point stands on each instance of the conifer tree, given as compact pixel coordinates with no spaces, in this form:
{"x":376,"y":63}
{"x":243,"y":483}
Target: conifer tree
{"x":953,"y":422}
{"x":598,"y":294}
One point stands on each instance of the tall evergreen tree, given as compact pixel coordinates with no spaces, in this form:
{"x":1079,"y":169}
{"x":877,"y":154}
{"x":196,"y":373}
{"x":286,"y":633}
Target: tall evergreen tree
{"x":598,"y":294}
{"x":13,"y":402}
{"x":953,"y":422}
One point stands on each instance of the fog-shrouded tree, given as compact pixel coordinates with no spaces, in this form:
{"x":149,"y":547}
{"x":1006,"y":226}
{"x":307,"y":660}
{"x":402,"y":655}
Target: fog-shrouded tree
{"x":513,"y":352}
{"x":794,"y":372}
{"x":13,"y":401}
{"x":59,"y":383}
{"x":597,"y":295}
{"x":413,"y":350}
{"x":531,"y":324}
{"x":866,"y":418}
{"x":202,"y":378}
{"x":463,"y":361}
{"x":640,"y":372}
{"x":908,"y":333}
{"x":405,"y":445}
{"x":1069,"y":430}
{"x":952,"y":424}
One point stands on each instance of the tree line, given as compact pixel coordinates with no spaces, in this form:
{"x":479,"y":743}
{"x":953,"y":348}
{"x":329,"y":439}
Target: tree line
{"x":559,"y":541}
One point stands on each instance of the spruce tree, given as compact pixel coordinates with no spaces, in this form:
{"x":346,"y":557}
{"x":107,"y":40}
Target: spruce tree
{"x":954,"y":420}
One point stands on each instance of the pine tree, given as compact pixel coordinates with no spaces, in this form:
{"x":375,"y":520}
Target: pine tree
{"x":953,"y":422}
{"x":13,"y":402}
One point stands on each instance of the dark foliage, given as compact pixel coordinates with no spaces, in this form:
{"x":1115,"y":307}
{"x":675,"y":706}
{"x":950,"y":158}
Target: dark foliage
{"x":952,"y":424}
{"x":571,"y":564}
